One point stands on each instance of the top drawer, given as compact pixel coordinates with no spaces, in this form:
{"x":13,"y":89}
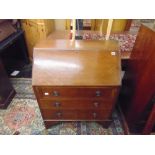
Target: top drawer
{"x":76,"y":92}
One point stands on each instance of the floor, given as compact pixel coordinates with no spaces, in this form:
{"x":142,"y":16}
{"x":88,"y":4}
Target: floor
{"x":25,"y":71}
{"x":23,"y":117}
{"x":25,"y":76}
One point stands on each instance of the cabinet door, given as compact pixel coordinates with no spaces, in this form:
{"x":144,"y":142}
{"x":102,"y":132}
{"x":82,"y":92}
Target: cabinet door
{"x":45,"y":26}
{"x":93,"y":24}
{"x":34,"y":33}
{"x":49,"y":26}
{"x":31,"y":34}
{"x":26,"y":28}
{"x":36,"y":30}
{"x":35,"y":21}
{"x":119,"y":25}
{"x":101,"y":25}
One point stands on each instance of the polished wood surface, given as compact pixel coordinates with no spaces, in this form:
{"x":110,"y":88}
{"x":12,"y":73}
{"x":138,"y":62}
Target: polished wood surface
{"x":140,"y":77}
{"x":98,"y":92}
{"x":125,"y":55}
{"x":72,"y":115}
{"x":76,"y":81}
{"x":59,"y":68}
{"x":59,"y":34}
{"x":150,"y":122}
{"x":85,"y":65}
{"x":61,"y":44}
{"x":93,"y":103}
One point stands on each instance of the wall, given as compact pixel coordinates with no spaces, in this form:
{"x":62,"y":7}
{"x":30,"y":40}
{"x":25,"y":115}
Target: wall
{"x":59,"y":24}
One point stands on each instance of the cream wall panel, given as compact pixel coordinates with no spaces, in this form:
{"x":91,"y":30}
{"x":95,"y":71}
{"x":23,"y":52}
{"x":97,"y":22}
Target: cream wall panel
{"x":60,"y":24}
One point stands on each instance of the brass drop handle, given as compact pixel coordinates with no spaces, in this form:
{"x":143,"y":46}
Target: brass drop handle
{"x":98,"y":93}
{"x":55,"y":93}
{"x":94,"y":114}
{"x":59,"y":114}
{"x":57,"y":104}
{"x":96,"y":104}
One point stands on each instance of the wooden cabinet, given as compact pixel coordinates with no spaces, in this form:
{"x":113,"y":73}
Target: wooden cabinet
{"x":139,"y":80}
{"x":36,"y":30}
{"x":98,"y":23}
{"x":89,"y":26}
{"x":31,"y":35}
{"x":76,"y":81}
{"x":119,"y":25}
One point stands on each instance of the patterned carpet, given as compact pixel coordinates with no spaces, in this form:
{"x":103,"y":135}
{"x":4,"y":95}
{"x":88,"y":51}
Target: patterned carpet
{"x":126,"y":40}
{"x":23,"y":117}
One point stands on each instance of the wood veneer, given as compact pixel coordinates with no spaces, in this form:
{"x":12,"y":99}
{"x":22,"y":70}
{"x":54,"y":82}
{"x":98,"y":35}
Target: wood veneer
{"x":70,"y":78}
{"x":139,"y":79}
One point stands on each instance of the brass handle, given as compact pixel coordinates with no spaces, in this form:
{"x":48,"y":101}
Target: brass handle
{"x":98,"y":93}
{"x":59,"y":114}
{"x":55,"y":93}
{"x":96,"y":104}
{"x":57,"y":104}
{"x":94,"y":114}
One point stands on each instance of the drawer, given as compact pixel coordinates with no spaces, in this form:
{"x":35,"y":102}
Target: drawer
{"x":75,"y":114}
{"x":76,"y":104}
{"x":65,"y":92}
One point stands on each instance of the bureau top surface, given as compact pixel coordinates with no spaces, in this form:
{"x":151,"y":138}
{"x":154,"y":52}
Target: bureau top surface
{"x":60,"y":44}
{"x":85,"y":67}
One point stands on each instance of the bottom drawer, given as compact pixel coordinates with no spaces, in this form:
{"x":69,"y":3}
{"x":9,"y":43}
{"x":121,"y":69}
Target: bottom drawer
{"x":75,"y":114}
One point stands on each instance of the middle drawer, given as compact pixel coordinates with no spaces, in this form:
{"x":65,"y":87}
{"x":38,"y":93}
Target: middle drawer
{"x":75,"y":104}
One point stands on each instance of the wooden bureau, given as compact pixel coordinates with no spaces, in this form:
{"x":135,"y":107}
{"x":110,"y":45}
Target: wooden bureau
{"x":76,"y":80}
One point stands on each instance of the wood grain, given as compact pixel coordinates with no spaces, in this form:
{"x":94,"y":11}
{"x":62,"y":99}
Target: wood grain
{"x":76,"y":81}
{"x":78,"y":103}
{"x":140,"y":76}
{"x":58,"y":64}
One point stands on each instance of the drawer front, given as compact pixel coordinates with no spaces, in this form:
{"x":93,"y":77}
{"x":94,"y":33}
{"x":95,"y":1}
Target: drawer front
{"x":75,"y":114}
{"x":76,"y":104}
{"x":63,"y":92}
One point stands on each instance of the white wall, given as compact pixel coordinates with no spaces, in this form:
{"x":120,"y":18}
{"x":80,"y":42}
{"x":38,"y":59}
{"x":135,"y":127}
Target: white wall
{"x":59,"y":24}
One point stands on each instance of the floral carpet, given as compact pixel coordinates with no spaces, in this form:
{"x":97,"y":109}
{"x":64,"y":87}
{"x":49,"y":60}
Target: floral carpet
{"x":126,"y":40}
{"x":23,"y":117}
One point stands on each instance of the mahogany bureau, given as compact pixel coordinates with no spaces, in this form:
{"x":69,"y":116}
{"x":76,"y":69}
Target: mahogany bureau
{"x":76,"y":80}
